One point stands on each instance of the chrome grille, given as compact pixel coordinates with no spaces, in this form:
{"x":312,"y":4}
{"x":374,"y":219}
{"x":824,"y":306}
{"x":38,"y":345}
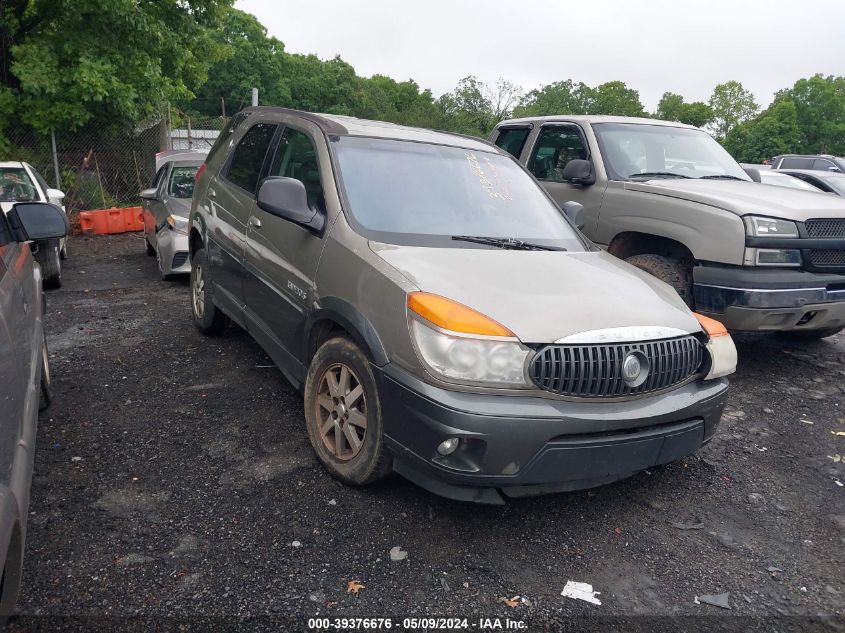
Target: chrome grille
{"x":595,"y":371}
{"x":832,"y":227}
{"x":827,"y":257}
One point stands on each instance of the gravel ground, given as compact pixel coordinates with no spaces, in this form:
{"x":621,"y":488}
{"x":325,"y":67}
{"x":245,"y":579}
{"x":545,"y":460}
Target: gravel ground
{"x":174,"y":481}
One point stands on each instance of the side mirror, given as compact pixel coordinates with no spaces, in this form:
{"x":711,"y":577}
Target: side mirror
{"x":286,"y":198}
{"x":149,"y":194}
{"x":55,"y":195}
{"x":37,"y":221}
{"x":575,"y":212}
{"x":753,"y":173}
{"x":579,"y":172}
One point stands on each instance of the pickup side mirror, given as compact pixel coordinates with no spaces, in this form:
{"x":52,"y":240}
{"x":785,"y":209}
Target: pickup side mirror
{"x":149,"y":194}
{"x":579,"y":172}
{"x":575,"y":212}
{"x":753,"y":173}
{"x":37,"y":221}
{"x":286,"y":198}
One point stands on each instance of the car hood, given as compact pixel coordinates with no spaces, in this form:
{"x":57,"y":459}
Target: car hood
{"x":179,"y":206}
{"x":542,"y":296}
{"x":744,"y":198}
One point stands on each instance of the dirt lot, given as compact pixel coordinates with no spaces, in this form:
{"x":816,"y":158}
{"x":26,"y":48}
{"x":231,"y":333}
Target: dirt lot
{"x":173,"y":478}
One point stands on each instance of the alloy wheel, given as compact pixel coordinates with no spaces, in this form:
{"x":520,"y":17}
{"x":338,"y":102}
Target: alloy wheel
{"x":341,"y":412}
{"x":199,"y":292}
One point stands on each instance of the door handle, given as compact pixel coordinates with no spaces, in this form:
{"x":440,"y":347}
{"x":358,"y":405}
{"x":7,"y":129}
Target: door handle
{"x":211,"y":193}
{"x":253,"y":221}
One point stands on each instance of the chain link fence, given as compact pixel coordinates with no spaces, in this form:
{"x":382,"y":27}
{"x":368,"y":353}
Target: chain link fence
{"x":100,"y":169}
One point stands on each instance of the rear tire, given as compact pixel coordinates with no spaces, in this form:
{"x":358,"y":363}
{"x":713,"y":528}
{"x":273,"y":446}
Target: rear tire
{"x":343,"y":414}
{"x":46,"y":392}
{"x":811,"y":335}
{"x":49,"y":259}
{"x":674,"y":272}
{"x":208,"y":318}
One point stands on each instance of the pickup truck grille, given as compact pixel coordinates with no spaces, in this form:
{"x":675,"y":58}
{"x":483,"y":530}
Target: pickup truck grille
{"x":832,"y":227}
{"x":822,"y":258}
{"x":595,"y":371}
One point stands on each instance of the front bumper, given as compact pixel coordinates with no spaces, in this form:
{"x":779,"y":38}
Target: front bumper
{"x":173,"y":249}
{"x":524,"y":445}
{"x":757,"y":299}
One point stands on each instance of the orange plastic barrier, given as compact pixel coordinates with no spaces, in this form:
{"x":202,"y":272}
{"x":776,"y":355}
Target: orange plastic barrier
{"x":110,"y":221}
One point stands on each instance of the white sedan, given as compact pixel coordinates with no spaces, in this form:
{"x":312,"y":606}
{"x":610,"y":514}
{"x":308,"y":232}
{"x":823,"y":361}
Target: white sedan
{"x":20,"y":182}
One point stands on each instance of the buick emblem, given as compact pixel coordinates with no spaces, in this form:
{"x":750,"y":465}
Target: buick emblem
{"x":635,"y":369}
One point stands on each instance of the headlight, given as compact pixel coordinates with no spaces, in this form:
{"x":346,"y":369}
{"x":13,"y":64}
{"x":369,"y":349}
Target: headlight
{"x":720,"y":346}
{"x":177,"y":223}
{"x":772,"y":257}
{"x":461,"y":345}
{"x":757,"y":226}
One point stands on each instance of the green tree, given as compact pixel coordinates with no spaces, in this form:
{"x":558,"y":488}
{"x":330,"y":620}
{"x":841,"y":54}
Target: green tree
{"x":560,"y":97}
{"x":820,"y":111}
{"x":672,"y":107}
{"x":105,"y":61}
{"x":615,"y":98}
{"x":475,"y":108}
{"x":731,"y":105}
{"x":775,"y":131}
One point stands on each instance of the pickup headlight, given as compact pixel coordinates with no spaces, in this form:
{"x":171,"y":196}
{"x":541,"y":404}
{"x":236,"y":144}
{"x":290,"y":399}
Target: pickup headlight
{"x":758,"y":226}
{"x":177,"y":223}
{"x":720,"y":346}
{"x":461,"y":345}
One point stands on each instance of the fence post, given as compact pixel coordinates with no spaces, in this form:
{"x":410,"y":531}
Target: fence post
{"x":190,"y":142}
{"x":254,"y":97}
{"x":55,"y":159}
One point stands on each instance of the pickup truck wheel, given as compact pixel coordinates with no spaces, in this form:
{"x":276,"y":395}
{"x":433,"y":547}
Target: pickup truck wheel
{"x":46,"y":391}
{"x":343,"y":414}
{"x":51,"y":265}
{"x":208,"y":318}
{"x":811,"y":335}
{"x":673,"y":271}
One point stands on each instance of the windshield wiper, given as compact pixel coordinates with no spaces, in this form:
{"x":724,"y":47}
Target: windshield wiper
{"x":650,"y":174}
{"x":508,"y":243}
{"x":722,"y":177}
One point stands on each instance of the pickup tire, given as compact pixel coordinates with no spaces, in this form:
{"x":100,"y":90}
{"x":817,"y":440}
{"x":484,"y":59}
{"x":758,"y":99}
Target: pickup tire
{"x":674,"y":272}
{"x":811,"y":335}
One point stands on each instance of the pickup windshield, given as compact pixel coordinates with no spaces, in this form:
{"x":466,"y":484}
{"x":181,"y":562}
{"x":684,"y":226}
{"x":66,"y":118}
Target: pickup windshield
{"x":403,"y":192}
{"x":644,"y":152}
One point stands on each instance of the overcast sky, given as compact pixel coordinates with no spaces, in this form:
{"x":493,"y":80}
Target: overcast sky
{"x":652,"y":45}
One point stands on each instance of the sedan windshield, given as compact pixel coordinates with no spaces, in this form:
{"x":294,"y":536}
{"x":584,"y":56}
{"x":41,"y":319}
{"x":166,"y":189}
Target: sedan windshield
{"x":403,"y":192}
{"x":644,"y":152}
{"x":181,"y":183}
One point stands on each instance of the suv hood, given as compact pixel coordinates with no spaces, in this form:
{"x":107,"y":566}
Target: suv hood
{"x":744,"y":198}
{"x":542,"y":296}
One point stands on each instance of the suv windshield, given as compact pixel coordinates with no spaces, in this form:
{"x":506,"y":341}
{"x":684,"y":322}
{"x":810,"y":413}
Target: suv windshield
{"x":639,"y":152}
{"x":16,"y":186}
{"x":403,"y":192}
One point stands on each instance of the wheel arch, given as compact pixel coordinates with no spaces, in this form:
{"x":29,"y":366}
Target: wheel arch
{"x":337,"y":316}
{"x":630,"y":243}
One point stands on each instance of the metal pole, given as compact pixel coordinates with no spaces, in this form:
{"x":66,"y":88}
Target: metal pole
{"x":190,"y":143}
{"x":223,"y":106}
{"x":55,"y":159}
{"x":254,"y":97}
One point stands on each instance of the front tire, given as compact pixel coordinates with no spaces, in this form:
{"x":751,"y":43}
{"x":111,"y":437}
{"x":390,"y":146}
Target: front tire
{"x":674,"y":272}
{"x":149,"y":247}
{"x":49,"y":259}
{"x":343,"y":414}
{"x":208,"y":318}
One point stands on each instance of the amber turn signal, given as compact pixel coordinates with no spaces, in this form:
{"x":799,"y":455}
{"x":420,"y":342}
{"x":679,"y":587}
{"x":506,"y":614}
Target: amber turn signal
{"x":454,"y":316}
{"x":713,"y":327}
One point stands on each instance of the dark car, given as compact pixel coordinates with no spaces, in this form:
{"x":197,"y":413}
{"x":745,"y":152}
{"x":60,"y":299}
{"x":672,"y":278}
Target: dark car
{"x":24,"y":374}
{"x":816,"y":162}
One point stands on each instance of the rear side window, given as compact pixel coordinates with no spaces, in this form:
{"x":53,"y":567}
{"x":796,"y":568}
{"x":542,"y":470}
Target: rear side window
{"x":224,"y":135}
{"x":248,"y":157}
{"x":823,"y":164}
{"x":512,"y":139}
{"x":296,"y":158}
{"x":796,"y":163}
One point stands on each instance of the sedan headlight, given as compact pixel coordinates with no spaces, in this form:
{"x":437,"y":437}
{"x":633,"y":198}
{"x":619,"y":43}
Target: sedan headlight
{"x":720,"y":346}
{"x":459,"y":344}
{"x":177,"y":223}
{"x":758,"y":226}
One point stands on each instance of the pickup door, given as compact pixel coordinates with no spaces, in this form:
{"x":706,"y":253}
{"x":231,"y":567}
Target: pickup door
{"x":545,"y":150}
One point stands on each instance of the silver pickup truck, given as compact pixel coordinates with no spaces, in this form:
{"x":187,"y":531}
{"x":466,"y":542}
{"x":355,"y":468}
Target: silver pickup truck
{"x":669,"y":199}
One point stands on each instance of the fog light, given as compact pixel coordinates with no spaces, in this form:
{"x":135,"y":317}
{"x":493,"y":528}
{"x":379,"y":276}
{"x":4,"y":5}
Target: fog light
{"x":447,"y":447}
